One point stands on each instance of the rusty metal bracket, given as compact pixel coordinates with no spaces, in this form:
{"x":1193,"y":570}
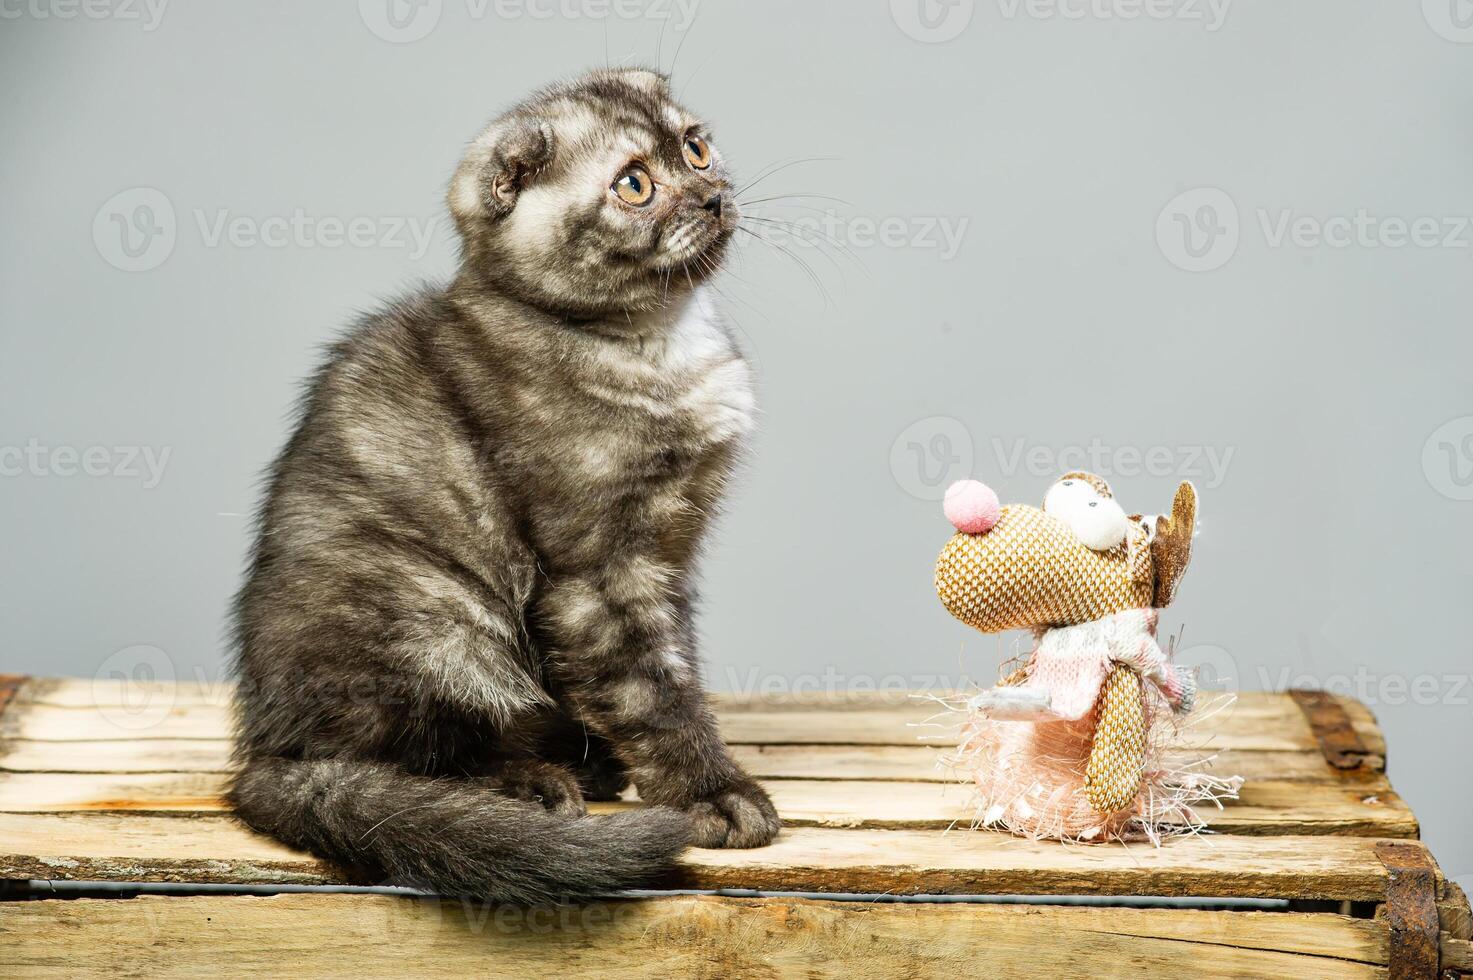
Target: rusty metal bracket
{"x":9,"y":685}
{"x":1339,"y":741}
{"x":1411,"y":910}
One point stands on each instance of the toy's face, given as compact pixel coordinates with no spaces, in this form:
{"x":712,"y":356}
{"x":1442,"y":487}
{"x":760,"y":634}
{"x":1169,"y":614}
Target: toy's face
{"x":1078,"y":559}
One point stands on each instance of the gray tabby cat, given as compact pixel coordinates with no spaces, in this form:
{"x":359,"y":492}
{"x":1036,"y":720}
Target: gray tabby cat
{"x":469,"y":607}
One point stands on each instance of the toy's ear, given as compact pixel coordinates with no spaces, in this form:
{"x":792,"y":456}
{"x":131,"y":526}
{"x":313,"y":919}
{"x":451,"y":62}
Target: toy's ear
{"x":498,"y":166}
{"x":1171,"y":549}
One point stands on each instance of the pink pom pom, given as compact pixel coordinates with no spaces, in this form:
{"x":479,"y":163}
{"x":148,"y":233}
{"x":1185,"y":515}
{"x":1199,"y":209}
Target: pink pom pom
{"x":971,"y":507}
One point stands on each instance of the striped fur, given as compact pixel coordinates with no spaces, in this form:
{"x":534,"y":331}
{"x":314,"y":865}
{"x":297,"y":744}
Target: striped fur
{"x":470,"y":603}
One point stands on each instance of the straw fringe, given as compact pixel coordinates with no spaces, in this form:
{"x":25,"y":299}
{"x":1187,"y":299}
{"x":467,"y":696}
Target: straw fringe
{"x":1029,"y":778}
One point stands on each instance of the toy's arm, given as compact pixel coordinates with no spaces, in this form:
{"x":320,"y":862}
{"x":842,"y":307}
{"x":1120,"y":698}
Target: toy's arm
{"x":1112,"y":780}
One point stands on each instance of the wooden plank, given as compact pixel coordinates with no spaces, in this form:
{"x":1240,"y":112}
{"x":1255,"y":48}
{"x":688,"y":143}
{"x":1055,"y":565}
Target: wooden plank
{"x":137,"y":847}
{"x":919,"y":763}
{"x":107,"y":693}
{"x":901,"y":763}
{"x":907,"y":728}
{"x":87,"y":692}
{"x":1265,"y":807}
{"x":116,"y":755}
{"x":92,"y":713}
{"x":1275,"y":730}
{"x":687,"y":936}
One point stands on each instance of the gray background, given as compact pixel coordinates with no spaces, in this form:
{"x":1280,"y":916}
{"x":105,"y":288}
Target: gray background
{"x":1333,"y":379}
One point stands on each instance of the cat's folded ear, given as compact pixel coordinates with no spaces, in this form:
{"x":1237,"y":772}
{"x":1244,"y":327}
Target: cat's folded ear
{"x":498,"y":166}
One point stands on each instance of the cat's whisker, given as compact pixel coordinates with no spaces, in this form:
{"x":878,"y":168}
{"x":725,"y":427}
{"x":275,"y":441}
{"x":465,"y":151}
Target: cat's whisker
{"x":670,"y":73}
{"x":784,"y":197}
{"x":814,"y":238}
{"x":817,"y":241}
{"x":807,"y":269}
{"x":772,"y":171}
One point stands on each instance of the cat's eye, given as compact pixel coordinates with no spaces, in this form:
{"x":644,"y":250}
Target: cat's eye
{"x":697,"y":152}
{"x":634,"y":186}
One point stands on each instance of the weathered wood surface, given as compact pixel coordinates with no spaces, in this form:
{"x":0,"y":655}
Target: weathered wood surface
{"x":681,"y":936}
{"x":133,"y":702}
{"x":74,"y":712}
{"x":886,"y":763}
{"x":1265,"y":807}
{"x":119,"y":782}
{"x":113,"y":782}
{"x":215,"y":848}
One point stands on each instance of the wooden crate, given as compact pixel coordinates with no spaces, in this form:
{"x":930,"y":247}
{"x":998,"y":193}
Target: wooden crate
{"x":102,"y":784}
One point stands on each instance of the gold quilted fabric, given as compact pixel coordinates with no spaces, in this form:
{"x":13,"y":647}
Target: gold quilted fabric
{"x":1031,"y":572}
{"x":1112,"y":780}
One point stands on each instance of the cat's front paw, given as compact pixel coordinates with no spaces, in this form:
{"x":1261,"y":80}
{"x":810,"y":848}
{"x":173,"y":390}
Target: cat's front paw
{"x":741,"y":815}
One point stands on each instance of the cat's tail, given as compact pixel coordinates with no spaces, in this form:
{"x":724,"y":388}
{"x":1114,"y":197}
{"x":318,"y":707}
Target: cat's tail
{"x":453,"y":836}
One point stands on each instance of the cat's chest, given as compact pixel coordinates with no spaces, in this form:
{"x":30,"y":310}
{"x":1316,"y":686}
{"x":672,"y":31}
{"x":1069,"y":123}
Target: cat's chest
{"x":682,"y":393}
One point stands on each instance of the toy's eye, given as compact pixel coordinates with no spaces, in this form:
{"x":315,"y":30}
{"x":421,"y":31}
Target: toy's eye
{"x":1068,"y":483}
{"x":697,"y":152}
{"x":1094,"y":503}
{"x":634,"y":186}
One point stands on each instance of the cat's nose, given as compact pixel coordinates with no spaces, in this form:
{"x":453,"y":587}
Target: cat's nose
{"x":715,"y":204}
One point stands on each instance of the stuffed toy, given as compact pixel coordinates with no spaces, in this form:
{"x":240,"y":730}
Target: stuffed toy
{"x":1070,"y":746}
